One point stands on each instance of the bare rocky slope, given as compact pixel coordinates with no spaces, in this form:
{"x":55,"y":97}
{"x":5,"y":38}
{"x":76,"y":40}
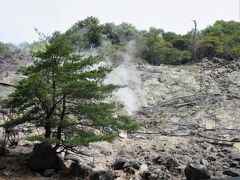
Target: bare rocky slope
{"x":8,"y":65}
{"x":189,"y":116}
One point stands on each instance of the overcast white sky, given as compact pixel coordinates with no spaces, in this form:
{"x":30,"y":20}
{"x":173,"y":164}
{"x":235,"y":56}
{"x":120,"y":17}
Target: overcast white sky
{"x":19,"y":17}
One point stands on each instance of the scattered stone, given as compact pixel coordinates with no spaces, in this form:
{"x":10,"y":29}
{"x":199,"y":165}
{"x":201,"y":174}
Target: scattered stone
{"x":143,"y":168}
{"x":235,"y":139}
{"x":129,"y":170}
{"x":211,"y":158}
{"x":235,"y":155}
{"x":233,"y":164}
{"x":205,"y":145}
{"x":230,"y":172}
{"x":132,"y":164}
{"x":204,"y":162}
{"x":212,"y":149}
{"x":178,"y":146}
{"x":177,"y":170}
{"x":48,"y":172}
{"x":102,"y":175}
{"x":152,"y":174}
{"x":123,"y":134}
{"x":71,"y":157}
{"x":220,"y":154}
{"x":193,"y":126}
{"x":166,"y":160}
{"x":195,"y":171}
{"x":199,"y":140}
{"x":7,"y":173}
{"x":226,"y":150}
{"x":118,"y":164}
{"x":77,"y":170}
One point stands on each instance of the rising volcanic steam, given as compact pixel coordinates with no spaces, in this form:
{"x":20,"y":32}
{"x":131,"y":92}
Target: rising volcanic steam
{"x":127,"y":74}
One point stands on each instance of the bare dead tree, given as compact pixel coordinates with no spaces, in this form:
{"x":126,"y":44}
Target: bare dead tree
{"x":194,"y":40}
{"x":9,"y":135}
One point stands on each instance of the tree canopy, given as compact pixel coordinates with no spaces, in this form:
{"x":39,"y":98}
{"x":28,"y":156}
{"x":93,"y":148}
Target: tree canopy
{"x":159,"y":47}
{"x":60,"y":91}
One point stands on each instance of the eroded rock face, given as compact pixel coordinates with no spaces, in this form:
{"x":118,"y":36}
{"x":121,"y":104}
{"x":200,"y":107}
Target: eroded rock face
{"x":9,"y":63}
{"x":44,"y":157}
{"x":203,"y":94}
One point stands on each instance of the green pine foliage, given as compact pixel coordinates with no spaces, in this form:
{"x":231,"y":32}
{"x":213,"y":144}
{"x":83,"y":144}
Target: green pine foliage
{"x":41,"y":139}
{"x":60,"y":90}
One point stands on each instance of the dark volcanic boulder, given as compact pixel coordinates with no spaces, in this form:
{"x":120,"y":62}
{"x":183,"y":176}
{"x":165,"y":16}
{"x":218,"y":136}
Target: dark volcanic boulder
{"x":132,"y":164}
{"x":118,"y":164}
{"x":77,"y":170}
{"x":230,"y":172}
{"x":102,"y":175}
{"x":195,"y":171}
{"x":166,"y":161}
{"x":44,"y":157}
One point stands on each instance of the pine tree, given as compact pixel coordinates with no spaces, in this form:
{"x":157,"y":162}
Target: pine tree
{"x":61,"y":90}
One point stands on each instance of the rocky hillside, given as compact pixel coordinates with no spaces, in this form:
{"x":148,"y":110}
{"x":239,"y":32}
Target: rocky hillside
{"x":190,"y":124}
{"x":8,"y":66}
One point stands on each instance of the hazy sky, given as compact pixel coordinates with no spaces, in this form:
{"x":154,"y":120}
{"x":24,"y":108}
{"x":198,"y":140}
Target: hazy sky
{"x":19,"y":17}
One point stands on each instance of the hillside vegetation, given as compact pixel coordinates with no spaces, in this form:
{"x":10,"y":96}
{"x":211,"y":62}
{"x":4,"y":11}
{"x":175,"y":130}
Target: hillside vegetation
{"x":155,"y":45}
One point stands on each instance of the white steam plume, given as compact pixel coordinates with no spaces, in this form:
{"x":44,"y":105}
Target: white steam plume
{"x":127,"y":74}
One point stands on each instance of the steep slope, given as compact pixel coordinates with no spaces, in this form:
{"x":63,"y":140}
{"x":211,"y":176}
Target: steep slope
{"x":189,"y":113}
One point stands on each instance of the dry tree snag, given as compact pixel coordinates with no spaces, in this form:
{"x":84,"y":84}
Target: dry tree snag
{"x":194,"y":40}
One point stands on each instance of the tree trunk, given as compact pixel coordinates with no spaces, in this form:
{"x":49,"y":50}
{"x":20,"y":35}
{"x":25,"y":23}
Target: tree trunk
{"x":48,"y":131}
{"x":60,"y":125}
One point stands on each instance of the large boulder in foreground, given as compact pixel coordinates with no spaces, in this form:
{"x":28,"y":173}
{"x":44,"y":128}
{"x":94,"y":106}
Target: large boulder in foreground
{"x":196,"y":171}
{"x":44,"y":157}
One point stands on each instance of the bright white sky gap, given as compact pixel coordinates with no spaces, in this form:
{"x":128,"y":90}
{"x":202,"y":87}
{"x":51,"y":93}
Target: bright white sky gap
{"x":19,"y":17}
